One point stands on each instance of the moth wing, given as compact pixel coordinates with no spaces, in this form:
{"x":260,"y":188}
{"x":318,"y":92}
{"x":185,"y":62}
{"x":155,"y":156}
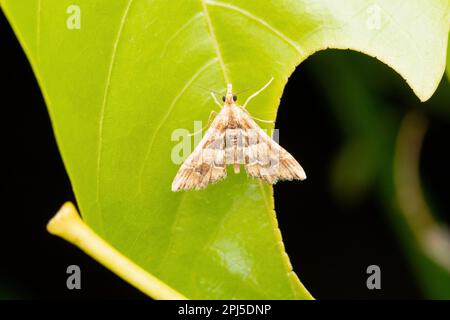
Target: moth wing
{"x":206,"y":164}
{"x":267,"y":160}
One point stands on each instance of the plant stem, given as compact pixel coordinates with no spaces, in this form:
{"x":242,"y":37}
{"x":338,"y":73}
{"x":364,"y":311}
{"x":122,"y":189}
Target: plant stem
{"x":68,"y":225}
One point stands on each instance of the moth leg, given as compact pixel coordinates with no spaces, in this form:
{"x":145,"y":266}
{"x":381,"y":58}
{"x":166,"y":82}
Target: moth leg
{"x":256,"y":93}
{"x":207,"y":125}
{"x":215,"y":100}
{"x":265,"y":121}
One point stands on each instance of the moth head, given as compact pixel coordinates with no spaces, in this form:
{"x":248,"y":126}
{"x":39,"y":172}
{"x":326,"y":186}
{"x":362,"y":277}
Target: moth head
{"x":234,"y":97}
{"x":229,"y":98}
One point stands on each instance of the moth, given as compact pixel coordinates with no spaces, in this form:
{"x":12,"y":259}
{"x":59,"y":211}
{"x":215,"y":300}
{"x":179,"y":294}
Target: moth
{"x":235,"y":139}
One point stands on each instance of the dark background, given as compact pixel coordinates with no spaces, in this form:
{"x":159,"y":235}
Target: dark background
{"x":330,"y":241}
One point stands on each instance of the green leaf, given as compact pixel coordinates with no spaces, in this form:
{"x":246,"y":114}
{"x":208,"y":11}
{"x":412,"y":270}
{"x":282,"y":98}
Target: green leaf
{"x":119,"y":86}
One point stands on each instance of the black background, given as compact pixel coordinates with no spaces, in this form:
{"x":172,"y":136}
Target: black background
{"x":330,"y":246}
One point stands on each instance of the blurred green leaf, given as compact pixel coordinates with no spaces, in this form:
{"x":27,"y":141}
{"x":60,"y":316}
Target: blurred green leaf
{"x":428,"y":240}
{"x":370,"y":125}
{"x":118,"y":87}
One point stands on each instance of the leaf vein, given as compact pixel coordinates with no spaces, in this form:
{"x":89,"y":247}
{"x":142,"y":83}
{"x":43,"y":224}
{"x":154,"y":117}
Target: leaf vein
{"x":177,"y":33}
{"x":106,"y":95}
{"x":169,"y":111}
{"x":214,"y":40}
{"x":253,"y":17}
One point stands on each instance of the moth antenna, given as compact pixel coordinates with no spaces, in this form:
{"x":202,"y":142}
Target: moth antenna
{"x":239,"y":92}
{"x":207,"y":89}
{"x":256,"y":93}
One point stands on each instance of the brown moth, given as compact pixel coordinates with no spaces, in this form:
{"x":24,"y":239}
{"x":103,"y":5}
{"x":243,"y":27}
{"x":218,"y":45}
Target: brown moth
{"x":234,"y":138}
